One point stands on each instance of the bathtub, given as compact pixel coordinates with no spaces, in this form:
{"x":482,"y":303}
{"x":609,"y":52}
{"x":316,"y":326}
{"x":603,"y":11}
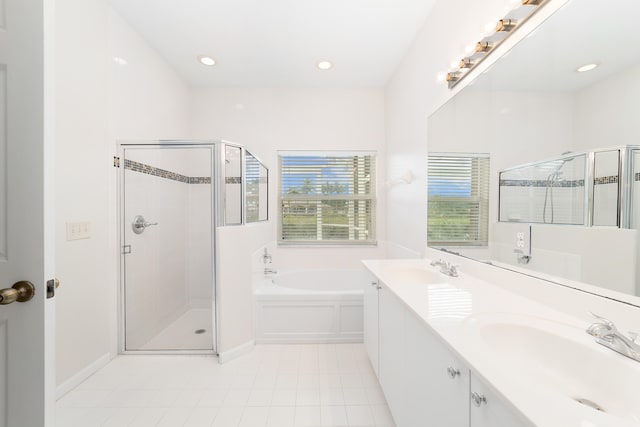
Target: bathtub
{"x":310,"y":306}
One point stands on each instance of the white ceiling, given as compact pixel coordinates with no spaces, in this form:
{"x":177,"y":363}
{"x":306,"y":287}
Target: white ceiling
{"x":276,"y":43}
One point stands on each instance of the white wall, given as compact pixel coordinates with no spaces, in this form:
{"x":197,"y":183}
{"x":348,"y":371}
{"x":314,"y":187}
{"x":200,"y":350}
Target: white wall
{"x":235,"y":247}
{"x":148,"y":100}
{"x":99,"y":101}
{"x":267,"y":120}
{"x":83,"y":151}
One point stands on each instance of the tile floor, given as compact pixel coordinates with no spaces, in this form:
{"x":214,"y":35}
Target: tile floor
{"x":274,"y":386}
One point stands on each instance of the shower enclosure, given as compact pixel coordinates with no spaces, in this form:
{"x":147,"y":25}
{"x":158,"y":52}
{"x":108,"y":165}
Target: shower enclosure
{"x":173,"y":195}
{"x":591,"y":188}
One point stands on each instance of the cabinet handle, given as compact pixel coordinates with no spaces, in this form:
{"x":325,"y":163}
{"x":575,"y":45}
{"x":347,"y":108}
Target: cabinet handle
{"x":379,"y":287}
{"x":452,"y":372}
{"x":374,"y":283}
{"x":478,"y":399}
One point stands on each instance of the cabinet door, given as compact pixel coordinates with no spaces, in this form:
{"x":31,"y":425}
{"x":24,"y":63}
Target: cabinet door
{"x":437,"y":387}
{"x":392,"y":352}
{"x":490,"y":410}
{"x":371,"y":319}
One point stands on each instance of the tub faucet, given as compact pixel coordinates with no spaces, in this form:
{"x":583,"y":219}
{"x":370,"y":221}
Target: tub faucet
{"x":608,"y":335}
{"x":266,"y":257}
{"x":268,"y":271}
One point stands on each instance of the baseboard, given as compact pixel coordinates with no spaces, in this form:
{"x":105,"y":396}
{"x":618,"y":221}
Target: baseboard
{"x":85,"y":373}
{"x":225,"y":356}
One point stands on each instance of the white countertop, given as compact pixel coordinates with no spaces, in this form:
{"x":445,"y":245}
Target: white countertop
{"x":454,"y":308}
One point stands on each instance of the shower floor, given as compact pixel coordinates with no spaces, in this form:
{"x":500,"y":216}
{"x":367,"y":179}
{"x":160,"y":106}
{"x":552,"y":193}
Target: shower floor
{"x":181,"y":334}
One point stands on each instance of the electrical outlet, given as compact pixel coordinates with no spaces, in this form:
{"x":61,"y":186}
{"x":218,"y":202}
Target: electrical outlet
{"x":78,"y":230}
{"x":523,"y":241}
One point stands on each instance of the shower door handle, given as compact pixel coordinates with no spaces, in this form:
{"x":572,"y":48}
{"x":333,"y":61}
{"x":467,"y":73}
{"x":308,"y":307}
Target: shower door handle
{"x":139,"y":224}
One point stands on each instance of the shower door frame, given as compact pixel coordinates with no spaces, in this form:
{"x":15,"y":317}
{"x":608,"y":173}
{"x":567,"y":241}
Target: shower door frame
{"x":217,"y":216}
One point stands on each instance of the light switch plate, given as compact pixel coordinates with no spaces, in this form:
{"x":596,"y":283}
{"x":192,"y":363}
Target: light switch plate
{"x":78,"y":230}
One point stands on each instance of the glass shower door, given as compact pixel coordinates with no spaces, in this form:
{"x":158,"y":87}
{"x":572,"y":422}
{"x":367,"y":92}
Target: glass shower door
{"x":167,"y":246}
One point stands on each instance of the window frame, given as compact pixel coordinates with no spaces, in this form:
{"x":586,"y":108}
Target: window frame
{"x":483,"y":203}
{"x":372,"y":198}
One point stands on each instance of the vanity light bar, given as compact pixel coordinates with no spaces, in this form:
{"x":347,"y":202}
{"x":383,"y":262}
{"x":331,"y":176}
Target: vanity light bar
{"x":453,"y":76}
{"x":466,"y":63}
{"x":506,"y":25}
{"x":484,"y":47}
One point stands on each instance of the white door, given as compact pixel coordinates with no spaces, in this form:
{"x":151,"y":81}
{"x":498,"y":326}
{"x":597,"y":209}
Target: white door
{"x":26,"y":245}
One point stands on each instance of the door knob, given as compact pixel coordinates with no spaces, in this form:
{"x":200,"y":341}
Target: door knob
{"x":21,"y":291}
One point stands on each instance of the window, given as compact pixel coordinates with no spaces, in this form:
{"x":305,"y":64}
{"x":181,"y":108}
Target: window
{"x":458,"y":202}
{"x":327,"y":197}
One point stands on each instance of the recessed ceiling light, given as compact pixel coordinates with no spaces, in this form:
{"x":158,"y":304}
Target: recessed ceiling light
{"x":587,"y":67}
{"x":206,"y":60}
{"x":324,"y":65}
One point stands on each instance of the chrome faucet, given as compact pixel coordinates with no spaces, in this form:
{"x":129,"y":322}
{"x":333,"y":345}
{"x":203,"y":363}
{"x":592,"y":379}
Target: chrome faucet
{"x":446,"y":267}
{"x":449,"y":269}
{"x":438,"y":262}
{"x":268,"y":271}
{"x":608,"y":335}
{"x":266,"y":257}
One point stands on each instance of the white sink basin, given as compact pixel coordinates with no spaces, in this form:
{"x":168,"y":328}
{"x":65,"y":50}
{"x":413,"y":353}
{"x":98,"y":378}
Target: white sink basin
{"x":413,"y":274}
{"x":565,"y":359}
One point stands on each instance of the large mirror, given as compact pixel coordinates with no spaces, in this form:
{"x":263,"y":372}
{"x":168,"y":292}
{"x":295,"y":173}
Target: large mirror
{"x":533,"y":106}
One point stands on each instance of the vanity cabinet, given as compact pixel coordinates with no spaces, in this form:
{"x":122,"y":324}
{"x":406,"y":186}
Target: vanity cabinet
{"x":392,"y":370}
{"x":437,"y":383}
{"x":489,"y":410}
{"x":371,"y":285}
{"x":423,"y":381}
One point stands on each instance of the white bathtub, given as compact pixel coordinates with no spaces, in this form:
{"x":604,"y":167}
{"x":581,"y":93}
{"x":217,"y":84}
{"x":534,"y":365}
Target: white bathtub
{"x":310,"y":306}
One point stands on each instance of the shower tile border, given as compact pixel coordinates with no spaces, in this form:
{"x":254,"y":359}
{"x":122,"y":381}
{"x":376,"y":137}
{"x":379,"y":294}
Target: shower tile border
{"x":540,"y":183}
{"x":543,"y":183}
{"x":613,"y":179}
{"x":163,"y":173}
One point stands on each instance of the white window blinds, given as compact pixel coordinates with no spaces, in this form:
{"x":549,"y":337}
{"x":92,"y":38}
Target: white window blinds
{"x":458,"y":201}
{"x":327,"y":198}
